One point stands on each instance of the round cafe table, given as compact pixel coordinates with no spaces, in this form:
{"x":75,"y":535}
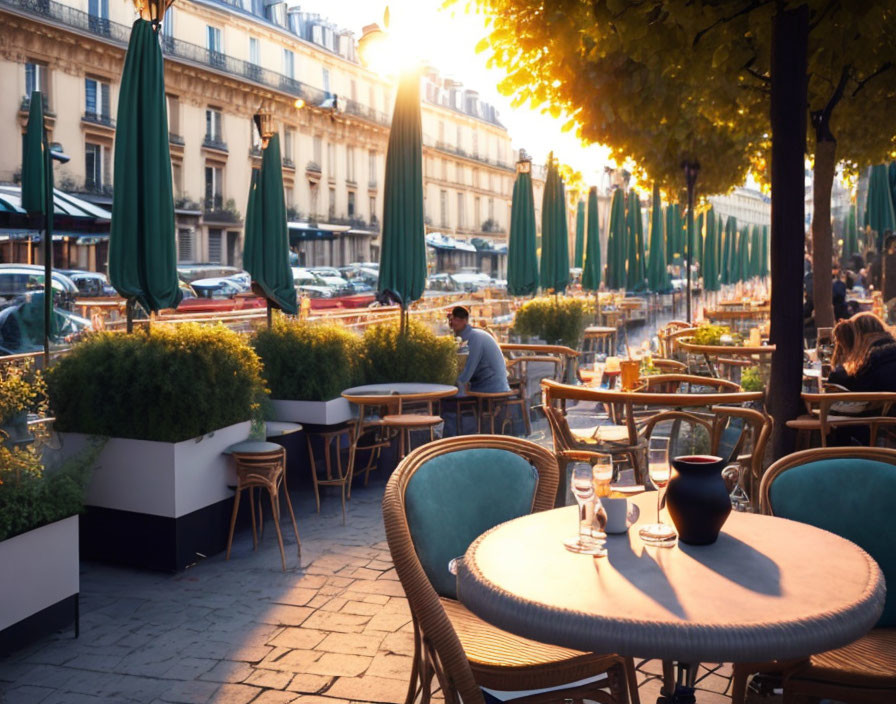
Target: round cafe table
{"x":392,"y":395}
{"x":769,"y":588}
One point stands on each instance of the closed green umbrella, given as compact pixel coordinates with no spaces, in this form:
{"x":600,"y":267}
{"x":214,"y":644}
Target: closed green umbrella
{"x":657,"y":275}
{"x":727,"y":267}
{"x":743,"y":254}
{"x":37,"y":197}
{"x":266,"y":247}
{"x":592,"y":267}
{"x":851,"y":239}
{"x":879,"y":213}
{"x":554,"y":272}
{"x":615,"y":277}
{"x":674,"y":234}
{"x":710,"y":254}
{"x":697,"y":251}
{"x":755,"y":252}
{"x":580,"y":234}
{"x":522,"y":258}
{"x":635,"y":270}
{"x":891,"y":176}
{"x":142,"y":254}
{"x":403,"y":246}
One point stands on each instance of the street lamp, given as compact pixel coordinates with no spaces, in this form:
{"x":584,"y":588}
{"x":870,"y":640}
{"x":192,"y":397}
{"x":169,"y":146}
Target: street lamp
{"x":691,"y":169}
{"x":264,"y":123}
{"x":152,"y":10}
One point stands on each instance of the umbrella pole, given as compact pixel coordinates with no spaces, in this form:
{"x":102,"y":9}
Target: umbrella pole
{"x":270,"y":313}
{"x":129,"y":315}
{"x":48,"y":250}
{"x":691,"y":168}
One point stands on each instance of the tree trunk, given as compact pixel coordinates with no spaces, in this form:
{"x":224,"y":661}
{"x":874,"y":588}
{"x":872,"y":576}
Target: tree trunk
{"x":790,"y":35}
{"x":822,"y":237}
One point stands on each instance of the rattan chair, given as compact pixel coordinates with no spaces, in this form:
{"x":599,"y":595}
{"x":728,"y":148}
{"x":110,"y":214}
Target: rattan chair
{"x":431,"y":515}
{"x":856,"y":488}
{"x":828,"y":411}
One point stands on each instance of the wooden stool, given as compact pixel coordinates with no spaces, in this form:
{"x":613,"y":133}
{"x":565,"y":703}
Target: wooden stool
{"x":494,"y":401}
{"x":342,"y":475}
{"x":261,"y":465}
{"x":406,"y":422}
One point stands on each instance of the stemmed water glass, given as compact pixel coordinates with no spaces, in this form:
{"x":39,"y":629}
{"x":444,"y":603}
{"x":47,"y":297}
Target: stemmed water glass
{"x":660,"y":472}
{"x":582,"y":486}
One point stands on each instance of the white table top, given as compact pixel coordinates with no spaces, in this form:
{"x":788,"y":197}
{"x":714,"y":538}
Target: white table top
{"x":768,"y":588}
{"x":398,"y":389}
{"x":276,"y":428}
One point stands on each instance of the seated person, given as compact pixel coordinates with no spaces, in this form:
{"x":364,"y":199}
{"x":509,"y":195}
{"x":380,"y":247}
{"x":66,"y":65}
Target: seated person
{"x":864,"y":354}
{"x":485,"y":369}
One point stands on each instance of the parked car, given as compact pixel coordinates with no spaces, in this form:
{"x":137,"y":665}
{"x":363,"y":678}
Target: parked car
{"x":216,"y":288}
{"x":90,"y":283}
{"x":19,"y":279}
{"x":188,"y":273}
{"x":22,"y":325}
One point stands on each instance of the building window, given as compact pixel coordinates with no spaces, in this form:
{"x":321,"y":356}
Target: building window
{"x":461,"y":215}
{"x":213,"y":132}
{"x":214,"y":245}
{"x":98,"y":16}
{"x":491,"y":209}
{"x":371,"y":204}
{"x":371,"y":98}
{"x":443,"y":208}
{"x":254,"y":51}
{"x":289,"y":63}
{"x":288,"y":139}
{"x":177,"y":178}
{"x":215,"y":45}
{"x":96,"y":166}
{"x":318,"y":150}
{"x":326,"y":80}
{"x":354,"y":90}
{"x":96,"y":106}
{"x":477,"y":211}
{"x":185,"y":245}
{"x":460,"y":134}
{"x":331,"y":160}
{"x":371,"y":169}
{"x":214,"y":177}
{"x":475,"y":143}
{"x":173,"y":106}
{"x":441,"y":132}
{"x":331,"y":204}
{"x":444,"y":170}
{"x":168,"y":28}
{"x":350,"y":164}
{"x":351,"y":204}
{"x":36,"y":79}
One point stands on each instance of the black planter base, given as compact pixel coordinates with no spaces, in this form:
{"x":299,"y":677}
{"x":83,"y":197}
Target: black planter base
{"x":46,"y":621}
{"x":154,"y":542}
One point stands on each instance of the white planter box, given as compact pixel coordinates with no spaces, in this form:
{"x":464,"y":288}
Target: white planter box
{"x":336,"y":410}
{"x":40,"y":569}
{"x":161,"y":478}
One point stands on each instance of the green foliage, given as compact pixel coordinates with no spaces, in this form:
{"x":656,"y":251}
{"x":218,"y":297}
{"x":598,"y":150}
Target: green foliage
{"x":32,"y":496}
{"x":556,"y":320}
{"x":22,"y":390}
{"x":168,"y":385}
{"x":751,"y":379}
{"x":708,"y":334}
{"x":417,"y":355}
{"x":307,"y":361}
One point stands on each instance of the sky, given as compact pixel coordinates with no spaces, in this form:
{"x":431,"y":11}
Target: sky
{"x":447,"y":39}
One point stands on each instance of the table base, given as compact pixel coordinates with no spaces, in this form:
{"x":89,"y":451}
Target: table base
{"x":685,"y":676}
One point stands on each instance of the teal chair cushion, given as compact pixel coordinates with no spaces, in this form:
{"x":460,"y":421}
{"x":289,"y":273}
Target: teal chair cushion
{"x":453,"y":498}
{"x":850,"y":497}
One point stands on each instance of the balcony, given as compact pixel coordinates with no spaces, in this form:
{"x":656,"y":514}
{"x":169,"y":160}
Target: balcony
{"x":25,"y":107}
{"x":95,"y":118}
{"x":288,"y":163}
{"x":255,"y":151}
{"x":175,"y":139}
{"x":214,"y":142}
{"x":214,"y":209}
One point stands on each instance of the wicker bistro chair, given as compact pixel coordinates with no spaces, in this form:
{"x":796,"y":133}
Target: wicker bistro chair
{"x":633,"y":410}
{"x":849,"y":491}
{"x":828,"y":411}
{"x":439,"y":499}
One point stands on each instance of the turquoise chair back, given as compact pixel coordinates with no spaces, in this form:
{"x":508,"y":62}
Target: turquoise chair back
{"x":453,"y":498}
{"x":854,"y":498}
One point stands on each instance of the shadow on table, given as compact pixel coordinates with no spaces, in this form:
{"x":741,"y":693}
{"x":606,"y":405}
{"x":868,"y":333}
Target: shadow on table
{"x":739,"y":562}
{"x":644,"y":573}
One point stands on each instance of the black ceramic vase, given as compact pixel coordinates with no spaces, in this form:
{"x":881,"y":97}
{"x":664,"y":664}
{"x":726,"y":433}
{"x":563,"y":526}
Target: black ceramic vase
{"x":697,"y":499}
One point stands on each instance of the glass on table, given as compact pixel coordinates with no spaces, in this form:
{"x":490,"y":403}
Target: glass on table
{"x":581,"y":482}
{"x":660,"y":471}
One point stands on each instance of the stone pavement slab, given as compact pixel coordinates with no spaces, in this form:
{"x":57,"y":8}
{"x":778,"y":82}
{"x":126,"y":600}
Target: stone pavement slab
{"x":334,"y":628}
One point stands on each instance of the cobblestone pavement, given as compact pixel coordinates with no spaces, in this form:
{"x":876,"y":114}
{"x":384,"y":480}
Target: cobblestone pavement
{"x":335,"y":628}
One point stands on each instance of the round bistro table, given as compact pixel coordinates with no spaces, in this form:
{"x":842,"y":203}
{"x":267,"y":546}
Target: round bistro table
{"x":769,"y":588}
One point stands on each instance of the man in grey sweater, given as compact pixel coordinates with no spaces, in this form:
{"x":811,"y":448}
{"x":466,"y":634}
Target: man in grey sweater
{"x":485,"y":369}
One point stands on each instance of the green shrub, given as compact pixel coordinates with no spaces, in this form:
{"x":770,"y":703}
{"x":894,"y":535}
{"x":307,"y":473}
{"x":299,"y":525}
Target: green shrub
{"x":170,"y":384}
{"x":751,"y":379}
{"x":22,"y":390}
{"x":418,"y":355}
{"x":557,"y":320}
{"x":307,"y":361}
{"x":31,"y":496}
{"x":708,"y":334}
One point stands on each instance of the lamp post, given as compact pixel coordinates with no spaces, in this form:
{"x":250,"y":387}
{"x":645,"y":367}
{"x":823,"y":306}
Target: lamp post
{"x":691,"y":169}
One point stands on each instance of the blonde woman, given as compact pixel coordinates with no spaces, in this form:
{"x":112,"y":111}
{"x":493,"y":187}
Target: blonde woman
{"x":864,"y":354}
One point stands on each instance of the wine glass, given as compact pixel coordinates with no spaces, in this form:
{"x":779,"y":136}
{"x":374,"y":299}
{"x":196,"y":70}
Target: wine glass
{"x":581,"y":483}
{"x":660,"y":472}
